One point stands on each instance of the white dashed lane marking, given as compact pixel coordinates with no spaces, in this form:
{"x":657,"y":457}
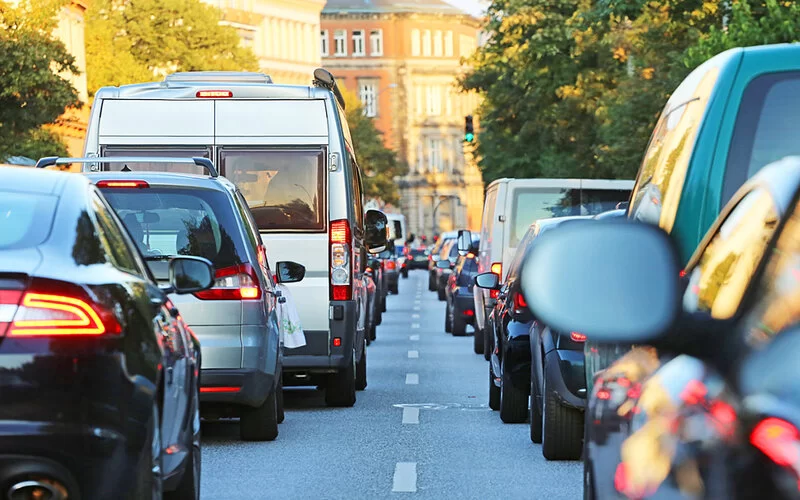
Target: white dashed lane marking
{"x":410,"y":416}
{"x":405,"y":477}
{"x":413,"y":337}
{"x":412,"y":378}
{"x":413,"y":354}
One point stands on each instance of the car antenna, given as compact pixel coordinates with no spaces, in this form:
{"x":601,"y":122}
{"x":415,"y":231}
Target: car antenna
{"x":125,"y":168}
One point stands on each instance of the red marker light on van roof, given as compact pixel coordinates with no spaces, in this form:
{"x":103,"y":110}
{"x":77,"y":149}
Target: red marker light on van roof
{"x":123,"y":184}
{"x":213,"y":94}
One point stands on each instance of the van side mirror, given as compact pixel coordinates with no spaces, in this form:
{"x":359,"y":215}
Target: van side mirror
{"x":443,"y":264}
{"x":375,"y":227}
{"x":290,"y":272}
{"x":464,"y":241}
{"x":487,"y":281}
{"x":189,"y":274}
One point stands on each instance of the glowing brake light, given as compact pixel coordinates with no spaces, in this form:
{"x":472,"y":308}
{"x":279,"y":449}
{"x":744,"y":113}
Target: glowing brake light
{"x":390,"y":264}
{"x":470,"y":255}
{"x":682,"y":274}
{"x":604,"y":394}
{"x":123,"y":184}
{"x":217,"y":390}
{"x":577,"y":337}
{"x":233,"y":283}
{"x":214,"y":94}
{"x":340,"y":261}
{"x":778,"y":440}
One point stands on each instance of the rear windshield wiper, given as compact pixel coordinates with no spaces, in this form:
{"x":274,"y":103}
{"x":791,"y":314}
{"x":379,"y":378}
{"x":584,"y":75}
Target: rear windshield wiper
{"x":159,"y":257}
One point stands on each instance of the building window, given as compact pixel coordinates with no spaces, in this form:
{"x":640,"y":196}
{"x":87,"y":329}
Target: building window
{"x":358,"y":42}
{"x":433,"y":99}
{"x":340,"y":43}
{"x":415,"y":43}
{"x":376,"y":42}
{"x":437,"y":44}
{"x":426,"y":43}
{"x":323,"y":43}
{"x":448,"y":44}
{"x":368,"y":92}
{"x":418,"y":98}
{"x":434,"y":155}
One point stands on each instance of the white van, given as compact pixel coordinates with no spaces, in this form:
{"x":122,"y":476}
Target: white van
{"x":512,"y":205}
{"x":288,"y":149}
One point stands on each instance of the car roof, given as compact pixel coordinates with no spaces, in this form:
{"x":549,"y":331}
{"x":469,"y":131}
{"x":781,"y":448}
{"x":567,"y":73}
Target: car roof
{"x":553,"y":221}
{"x":167,"y":179}
{"x":36,"y":180}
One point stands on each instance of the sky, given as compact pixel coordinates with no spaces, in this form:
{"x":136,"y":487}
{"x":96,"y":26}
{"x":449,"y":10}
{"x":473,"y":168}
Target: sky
{"x":472,"y":6}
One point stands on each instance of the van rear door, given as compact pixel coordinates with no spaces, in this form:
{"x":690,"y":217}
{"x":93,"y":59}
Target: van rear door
{"x":156,"y":121}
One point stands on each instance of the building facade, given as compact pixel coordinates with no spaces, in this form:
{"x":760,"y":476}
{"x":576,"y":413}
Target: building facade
{"x":402,"y":59}
{"x":283,"y":34}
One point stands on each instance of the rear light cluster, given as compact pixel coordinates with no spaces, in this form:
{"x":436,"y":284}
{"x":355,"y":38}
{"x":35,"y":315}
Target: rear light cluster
{"x":341,"y":260}
{"x":233,"y":283}
{"x":519,"y":303}
{"x":50,"y":309}
{"x":777,"y":439}
{"x":577,"y":337}
{"x":391,"y":265}
{"x":497,"y":268}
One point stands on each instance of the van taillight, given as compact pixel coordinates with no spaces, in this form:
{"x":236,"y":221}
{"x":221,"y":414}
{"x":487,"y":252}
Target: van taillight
{"x":50,"y":309}
{"x":214,"y":94}
{"x":341,"y":262}
{"x":122,"y":184}
{"x":497,"y":268}
{"x":233,"y":283}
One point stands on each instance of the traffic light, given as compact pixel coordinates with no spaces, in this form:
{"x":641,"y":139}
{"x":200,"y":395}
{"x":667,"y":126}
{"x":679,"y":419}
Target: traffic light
{"x":469,"y":129}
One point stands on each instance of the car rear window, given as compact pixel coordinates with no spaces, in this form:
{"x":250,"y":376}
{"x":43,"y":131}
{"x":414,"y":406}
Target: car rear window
{"x":284,"y":188}
{"x":168,"y":221}
{"x":25,"y":219}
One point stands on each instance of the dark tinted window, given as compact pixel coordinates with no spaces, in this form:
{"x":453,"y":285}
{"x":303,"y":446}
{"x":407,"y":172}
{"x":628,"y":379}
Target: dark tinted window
{"x":115,"y":242}
{"x":181,"y":221}
{"x":765,"y":127}
{"x":718,"y":282}
{"x":25,"y":219}
{"x":151,"y":151}
{"x":285,"y":188}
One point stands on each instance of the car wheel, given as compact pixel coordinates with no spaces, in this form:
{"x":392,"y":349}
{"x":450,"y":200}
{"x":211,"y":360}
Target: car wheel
{"x":562,"y":427}
{"x":189,"y":487}
{"x":373,"y":332}
{"x":535,"y":415}
{"x":361,"y":371}
{"x":513,"y":401}
{"x":341,"y":387}
{"x":588,"y":481}
{"x":448,"y":320}
{"x":494,"y":391}
{"x":477,"y":341}
{"x":149,"y":479}
{"x":488,"y":342}
{"x":431,"y":282}
{"x":395,"y":289}
{"x":405,"y":274}
{"x":261,"y":423}
{"x":383,"y":305}
{"x":379,"y":318}
{"x":441,"y":293}
{"x":459,"y":324}
{"x":281,"y":408}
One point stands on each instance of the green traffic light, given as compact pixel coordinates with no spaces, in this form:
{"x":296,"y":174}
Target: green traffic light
{"x":469,"y":137}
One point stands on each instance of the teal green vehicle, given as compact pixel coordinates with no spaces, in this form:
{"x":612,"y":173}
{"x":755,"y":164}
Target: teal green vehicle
{"x":734,"y":114}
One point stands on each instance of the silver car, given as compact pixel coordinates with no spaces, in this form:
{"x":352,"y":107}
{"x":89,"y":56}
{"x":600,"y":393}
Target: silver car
{"x":236,"y":320}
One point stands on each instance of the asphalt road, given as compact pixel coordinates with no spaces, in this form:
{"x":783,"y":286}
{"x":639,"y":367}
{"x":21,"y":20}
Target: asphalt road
{"x":421,"y":429}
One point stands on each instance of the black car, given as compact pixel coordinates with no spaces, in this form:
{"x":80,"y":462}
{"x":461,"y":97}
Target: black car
{"x":460,"y":308}
{"x":448,"y":255}
{"x":719,"y":406}
{"x":99,"y":374}
{"x":416,"y":258}
{"x":434,"y":253}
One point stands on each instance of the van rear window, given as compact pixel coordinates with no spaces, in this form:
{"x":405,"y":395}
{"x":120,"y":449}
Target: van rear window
{"x":153,"y":151}
{"x":285,"y":189}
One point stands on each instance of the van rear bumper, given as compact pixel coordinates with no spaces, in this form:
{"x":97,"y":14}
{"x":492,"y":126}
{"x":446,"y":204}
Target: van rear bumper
{"x":320,"y":355}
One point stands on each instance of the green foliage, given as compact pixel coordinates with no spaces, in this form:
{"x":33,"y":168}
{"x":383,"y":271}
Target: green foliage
{"x":33,"y":90}
{"x":378,"y":163}
{"x":131,"y":40}
{"x":573,"y":88}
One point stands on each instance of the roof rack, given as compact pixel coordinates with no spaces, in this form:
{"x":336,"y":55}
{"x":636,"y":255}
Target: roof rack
{"x":323,"y":78}
{"x":49,"y":161}
{"x":218,"y":77}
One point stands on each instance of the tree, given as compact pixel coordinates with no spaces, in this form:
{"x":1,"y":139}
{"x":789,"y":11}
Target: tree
{"x":33,"y":90}
{"x":378,"y":163}
{"x":132,"y":40}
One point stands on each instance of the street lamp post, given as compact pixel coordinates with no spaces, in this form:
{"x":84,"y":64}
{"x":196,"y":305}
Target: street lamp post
{"x":436,"y":208}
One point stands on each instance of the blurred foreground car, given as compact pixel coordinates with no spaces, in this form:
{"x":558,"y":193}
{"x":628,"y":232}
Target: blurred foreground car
{"x":98,"y":373}
{"x":719,"y":418}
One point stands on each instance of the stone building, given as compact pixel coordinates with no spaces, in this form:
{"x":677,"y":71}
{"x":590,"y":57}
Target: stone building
{"x":402,"y":59}
{"x":283,"y":34}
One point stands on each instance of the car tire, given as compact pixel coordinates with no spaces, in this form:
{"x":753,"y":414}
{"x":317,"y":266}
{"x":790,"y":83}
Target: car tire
{"x":394,"y":289}
{"x":149,"y":481}
{"x":441,"y":294}
{"x":494,"y":391}
{"x":513,"y":401}
{"x":431,"y":282}
{"x":361,"y":371}
{"x":405,"y":274}
{"x":562,"y":427}
{"x":588,"y":482}
{"x":448,"y":320}
{"x":488,"y":342}
{"x":379,"y":317}
{"x":373,"y":332}
{"x":341,"y":387}
{"x":260,"y":423}
{"x":383,"y":305}
{"x":477,"y":341}
{"x":535,"y":416}
{"x":281,"y":408}
{"x":459,"y":326}
{"x":189,"y":487}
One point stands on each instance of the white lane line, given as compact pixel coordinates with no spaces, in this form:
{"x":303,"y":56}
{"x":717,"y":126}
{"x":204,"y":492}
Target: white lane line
{"x":415,"y":316}
{"x":414,"y":325}
{"x":412,"y":379}
{"x":413,"y":337}
{"x":416,"y":308}
{"x":413,"y":354}
{"x":410,"y":416}
{"x":405,"y":477}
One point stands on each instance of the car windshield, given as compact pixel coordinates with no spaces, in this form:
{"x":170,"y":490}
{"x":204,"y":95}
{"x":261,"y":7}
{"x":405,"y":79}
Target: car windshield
{"x":25,"y":219}
{"x":180,"y":221}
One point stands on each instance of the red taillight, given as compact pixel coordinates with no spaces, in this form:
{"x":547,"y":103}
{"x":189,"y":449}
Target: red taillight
{"x":337,"y":342}
{"x":682,"y":274}
{"x":635,"y":391}
{"x":519,"y":301}
{"x":494,"y":293}
{"x":577,"y":337}
{"x":123,"y":184}
{"x":390,"y":264}
{"x":604,"y":394}
{"x":340,"y":260}
{"x":8,"y":306}
{"x":778,"y":440}
{"x":368,"y":270}
{"x":233,"y":283}
{"x":694,"y":393}
{"x":213,"y":94}
{"x":65,"y":310}
{"x":213,"y":390}
{"x":469,"y":312}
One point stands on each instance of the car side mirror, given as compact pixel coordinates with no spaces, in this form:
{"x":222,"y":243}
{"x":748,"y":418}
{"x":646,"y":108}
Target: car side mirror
{"x":189,"y":274}
{"x":290,"y":272}
{"x":487,"y":281}
{"x":375,"y":227}
{"x":464,"y":241}
{"x":443,"y":264}
{"x":613,"y":281}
